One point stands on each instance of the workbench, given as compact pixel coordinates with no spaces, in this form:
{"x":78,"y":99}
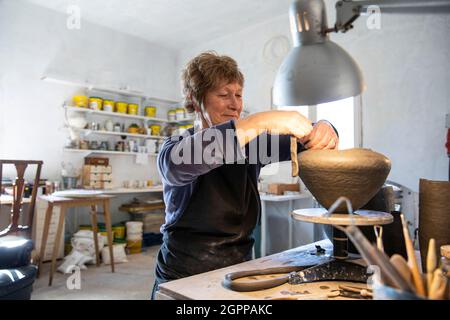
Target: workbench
{"x":208,"y":285}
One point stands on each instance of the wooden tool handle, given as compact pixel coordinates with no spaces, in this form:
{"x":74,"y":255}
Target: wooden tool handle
{"x":418,"y":283}
{"x":294,"y":156}
{"x":431,"y":262}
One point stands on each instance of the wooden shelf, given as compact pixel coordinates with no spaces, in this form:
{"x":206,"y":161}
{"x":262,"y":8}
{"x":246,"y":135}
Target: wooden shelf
{"x":110,"y":133}
{"x":88,"y":151}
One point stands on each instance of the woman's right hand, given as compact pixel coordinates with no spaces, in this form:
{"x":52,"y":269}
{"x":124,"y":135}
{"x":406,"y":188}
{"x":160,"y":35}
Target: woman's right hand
{"x":286,"y":122}
{"x":273,"y":122}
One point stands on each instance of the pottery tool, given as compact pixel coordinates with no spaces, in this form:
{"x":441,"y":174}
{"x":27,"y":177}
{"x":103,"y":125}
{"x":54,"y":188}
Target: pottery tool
{"x":431,"y":262}
{"x":294,"y":156}
{"x":412,"y":262}
{"x":389,"y":274}
{"x":379,"y":234}
{"x":438,"y":285}
{"x":402,"y":267}
{"x":363,"y":292}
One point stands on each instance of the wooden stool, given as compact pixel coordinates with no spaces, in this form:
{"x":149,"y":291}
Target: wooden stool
{"x":64,"y":203}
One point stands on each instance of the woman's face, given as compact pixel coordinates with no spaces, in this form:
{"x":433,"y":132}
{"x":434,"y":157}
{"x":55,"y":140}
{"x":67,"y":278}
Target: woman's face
{"x":224,"y":103}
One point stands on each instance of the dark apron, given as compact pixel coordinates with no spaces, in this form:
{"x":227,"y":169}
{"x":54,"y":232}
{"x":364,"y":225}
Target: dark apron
{"x":215,"y":230}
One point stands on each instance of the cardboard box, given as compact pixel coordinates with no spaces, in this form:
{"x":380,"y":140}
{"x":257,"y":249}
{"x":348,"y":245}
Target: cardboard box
{"x":280,"y":188}
{"x":97,"y":161}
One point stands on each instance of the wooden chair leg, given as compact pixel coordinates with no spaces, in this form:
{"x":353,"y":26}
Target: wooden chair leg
{"x":57,"y":241}
{"x":95,"y":231}
{"x":109,"y":231}
{"x":47,"y":219}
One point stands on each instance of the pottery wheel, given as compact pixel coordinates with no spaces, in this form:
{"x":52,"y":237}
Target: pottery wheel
{"x":359,"y":218}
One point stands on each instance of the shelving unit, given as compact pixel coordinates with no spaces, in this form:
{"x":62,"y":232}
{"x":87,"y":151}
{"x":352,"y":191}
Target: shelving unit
{"x":115,"y":114}
{"x":119,"y":91}
{"x":144,"y":99}
{"x":88,"y":151}
{"x":88,"y":132}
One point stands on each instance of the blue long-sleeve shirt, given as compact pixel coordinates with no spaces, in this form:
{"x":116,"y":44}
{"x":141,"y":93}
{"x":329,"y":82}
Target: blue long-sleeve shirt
{"x":181,"y":160}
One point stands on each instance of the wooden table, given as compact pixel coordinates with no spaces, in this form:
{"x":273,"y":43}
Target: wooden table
{"x":208,"y":286}
{"x":8,"y":199}
{"x":64,"y":203}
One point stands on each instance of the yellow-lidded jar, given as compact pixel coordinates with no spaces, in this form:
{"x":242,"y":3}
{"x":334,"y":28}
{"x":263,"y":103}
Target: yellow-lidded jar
{"x":133,"y":108}
{"x":80,"y":101}
{"x":179,"y":114}
{"x":108,"y":105}
{"x":150,"y":111}
{"x":95,"y":103}
{"x":156,"y":129}
{"x":121,"y":107}
{"x":171,"y":115}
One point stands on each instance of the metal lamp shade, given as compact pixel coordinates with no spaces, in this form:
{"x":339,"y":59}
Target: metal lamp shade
{"x":316,"y":70}
{"x":317,"y":73}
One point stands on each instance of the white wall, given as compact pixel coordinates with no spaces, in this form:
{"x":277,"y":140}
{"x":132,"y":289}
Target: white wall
{"x":34,"y":42}
{"x":406,"y":68}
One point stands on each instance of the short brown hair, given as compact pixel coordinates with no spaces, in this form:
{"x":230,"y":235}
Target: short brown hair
{"x":205,"y":72}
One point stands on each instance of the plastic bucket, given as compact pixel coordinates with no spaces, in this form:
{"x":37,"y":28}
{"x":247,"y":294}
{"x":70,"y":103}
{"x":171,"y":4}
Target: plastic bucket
{"x":119,"y":232}
{"x":134,"y":246}
{"x":85,"y":227}
{"x":134,"y":226}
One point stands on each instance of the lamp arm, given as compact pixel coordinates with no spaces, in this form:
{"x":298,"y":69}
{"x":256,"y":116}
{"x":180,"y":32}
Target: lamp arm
{"x":347,"y":11}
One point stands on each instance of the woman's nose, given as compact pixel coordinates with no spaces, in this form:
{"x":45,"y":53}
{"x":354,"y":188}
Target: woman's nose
{"x":234,"y":103}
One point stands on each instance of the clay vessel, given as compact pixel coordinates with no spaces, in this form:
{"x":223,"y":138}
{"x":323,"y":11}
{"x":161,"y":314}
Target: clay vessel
{"x":357,"y":174}
{"x":434,"y":215}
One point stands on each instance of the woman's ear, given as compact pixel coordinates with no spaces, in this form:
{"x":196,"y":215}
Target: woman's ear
{"x":195,"y":104}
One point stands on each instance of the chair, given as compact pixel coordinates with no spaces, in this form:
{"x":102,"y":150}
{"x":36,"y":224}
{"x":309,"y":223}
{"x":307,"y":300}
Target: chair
{"x":17,"y":274}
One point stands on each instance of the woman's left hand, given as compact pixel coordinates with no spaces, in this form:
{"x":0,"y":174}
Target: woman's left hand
{"x":323,"y":136}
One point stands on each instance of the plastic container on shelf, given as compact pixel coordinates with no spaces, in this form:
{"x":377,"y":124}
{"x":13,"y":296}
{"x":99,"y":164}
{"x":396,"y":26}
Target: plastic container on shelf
{"x":95,"y":103}
{"x":150,"y":111}
{"x":80,"y":101}
{"x":156,"y":129}
{"x":180,"y":114}
{"x":133,"y":108}
{"x":121,"y":107}
{"x":108,"y":105}
{"x":171,"y":115}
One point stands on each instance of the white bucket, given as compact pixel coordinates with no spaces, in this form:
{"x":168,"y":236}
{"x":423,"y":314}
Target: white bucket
{"x":134,"y":226}
{"x":134,"y":236}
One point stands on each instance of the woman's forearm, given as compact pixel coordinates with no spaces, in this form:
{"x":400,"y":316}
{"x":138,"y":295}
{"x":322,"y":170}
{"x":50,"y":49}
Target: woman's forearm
{"x":273,"y":122}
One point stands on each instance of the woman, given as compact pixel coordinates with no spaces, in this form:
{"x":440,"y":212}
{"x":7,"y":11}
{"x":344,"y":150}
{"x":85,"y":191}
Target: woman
{"x":210,"y":172}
